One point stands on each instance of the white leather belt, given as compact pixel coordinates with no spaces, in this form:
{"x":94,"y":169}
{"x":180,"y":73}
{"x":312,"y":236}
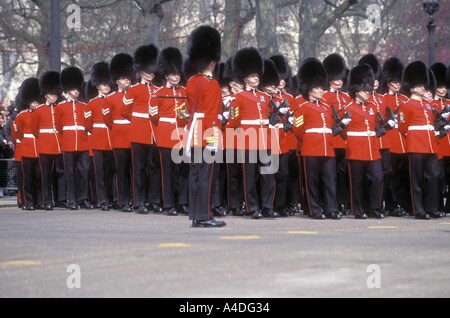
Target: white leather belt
{"x":47,"y":131}
{"x":255,"y":122}
{"x":100,"y":126}
{"x":18,"y":141}
{"x":29,"y":136}
{"x":318,"y":131}
{"x":141,"y":115}
{"x":423,"y":127}
{"x":73,"y":128}
{"x":361,"y":133}
{"x":122,"y":122}
{"x":168,"y":120}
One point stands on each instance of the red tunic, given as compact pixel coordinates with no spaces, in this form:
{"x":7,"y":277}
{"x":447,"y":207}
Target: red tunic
{"x":101,"y":136}
{"x":43,"y":125}
{"x":25,"y":134}
{"x":362,"y":144}
{"x":443,"y":143}
{"x":70,"y":119}
{"x":312,"y":123}
{"x":18,"y":151}
{"x":416,"y":121}
{"x":338,"y":100}
{"x":120,"y":126}
{"x":378,"y":101}
{"x":397,"y":141}
{"x":137,"y":108}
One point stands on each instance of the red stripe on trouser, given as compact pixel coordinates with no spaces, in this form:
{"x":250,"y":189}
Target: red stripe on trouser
{"x":306,"y":188}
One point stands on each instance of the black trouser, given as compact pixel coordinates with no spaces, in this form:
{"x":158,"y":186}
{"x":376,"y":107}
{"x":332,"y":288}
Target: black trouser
{"x":424,"y":175}
{"x":235,"y":191}
{"x":154,"y":181}
{"x":398,"y":192}
{"x":301,"y":180}
{"x":252,"y":174}
{"x":170,"y":178}
{"x":320,"y":178}
{"x":104,"y":173}
{"x":59,"y":180}
{"x":123,"y":176}
{"x":386,"y":166}
{"x":282,"y":179}
{"x":48,"y":164}
{"x":200,"y":186}
{"x":342,"y":185}
{"x":444,"y":183}
{"x":76,"y":167}
{"x":293,"y":190}
{"x":20,"y":190}
{"x":92,"y":191}
{"x":372,"y":173}
{"x":141,"y":158}
{"x":31,"y":181}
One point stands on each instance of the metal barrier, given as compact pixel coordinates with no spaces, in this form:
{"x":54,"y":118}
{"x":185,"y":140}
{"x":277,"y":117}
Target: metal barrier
{"x":9,"y":177}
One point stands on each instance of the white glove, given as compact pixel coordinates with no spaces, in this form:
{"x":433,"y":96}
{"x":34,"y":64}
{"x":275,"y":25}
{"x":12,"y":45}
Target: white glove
{"x":392,"y":123}
{"x":226,"y":115}
{"x":291,"y":120}
{"x":346,"y":121}
{"x":284,"y":110}
{"x":445,"y":115}
{"x":447,"y":127}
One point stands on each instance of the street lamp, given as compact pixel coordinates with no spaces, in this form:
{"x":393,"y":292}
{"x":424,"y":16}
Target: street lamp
{"x":431,"y":7}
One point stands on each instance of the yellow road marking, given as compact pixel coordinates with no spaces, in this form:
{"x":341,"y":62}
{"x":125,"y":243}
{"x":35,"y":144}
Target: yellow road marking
{"x":303,"y":232}
{"x":446,"y":223}
{"x":174,"y":245}
{"x":240,"y":237}
{"x":383,"y":227}
{"x":20,"y":263}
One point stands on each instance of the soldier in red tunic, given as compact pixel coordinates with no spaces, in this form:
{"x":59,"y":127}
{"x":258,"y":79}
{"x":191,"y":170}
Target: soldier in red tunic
{"x":204,"y":103}
{"x":313,"y":124}
{"x":363,"y":147}
{"x":49,"y":141}
{"x":121,"y":68}
{"x":168,"y":104}
{"x":254,"y":141}
{"x":418,"y":123}
{"x":70,"y":116}
{"x":137,"y":108}
{"x":101,"y":139}
{"x":30,"y":98}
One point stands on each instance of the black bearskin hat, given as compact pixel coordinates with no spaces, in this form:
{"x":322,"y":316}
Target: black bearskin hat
{"x":374,"y":64}
{"x":122,"y":66}
{"x":392,"y":70}
{"x":50,"y":83}
{"x":203,"y":47}
{"x":334,"y":65}
{"x":360,"y":78}
{"x":145,"y":59}
{"x":432,"y":86}
{"x":282,"y":65}
{"x":72,"y":78}
{"x":100,"y":74}
{"x":311,"y":74}
{"x":415,"y":74}
{"x":271,"y":77}
{"x":29,"y":92}
{"x":440,"y":70}
{"x":223,"y":77}
{"x":90,"y":92}
{"x":247,"y":61}
{"x":447,"y":77}
{"x":170,"y":61}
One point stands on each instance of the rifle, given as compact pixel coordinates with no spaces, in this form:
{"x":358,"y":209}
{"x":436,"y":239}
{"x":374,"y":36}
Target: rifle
{"x":440,"y":121}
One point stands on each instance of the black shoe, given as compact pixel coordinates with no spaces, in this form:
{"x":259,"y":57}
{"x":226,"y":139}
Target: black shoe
{"x":256,"y":215}
{"x":155,"y":208}
{"x":141,"y":210}
{"x":362,"y":216}
{"x":342,"y":209}
{"x":269,"y":213}
{"x":85,"y":204}
{"x":105,"y":207}
{"x":208,"y":223}
{"x":377,"y":214}
{"x":319,"y":216}
{"x":48,"y":207}
{"x":183,"y":209}
{"x":219,"y":212}
{"x":397,"y":212}
{"x":62,"y":204}
{"x":235,"y":212}
{"x":284,"y":213}
{"x":443,"y":214}
{"x":72,"y":206}
{"x":422,"y":216}
{"x":435,"y":215}
{"x":334,"y":215}
{"x":126,"y":208}
{"x":115,"y":206}
{"x":30,"y":208}
{"x":170,"y":212}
